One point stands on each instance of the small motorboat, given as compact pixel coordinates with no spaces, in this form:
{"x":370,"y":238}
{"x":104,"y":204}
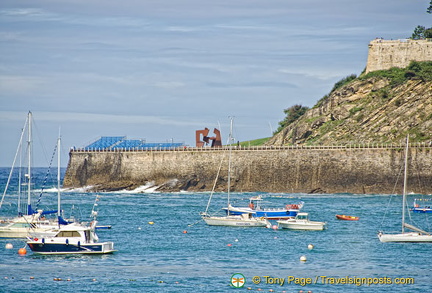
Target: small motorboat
{"x":70,"y":239}
{"x":347,"y":218}
{"x":301,"y":222}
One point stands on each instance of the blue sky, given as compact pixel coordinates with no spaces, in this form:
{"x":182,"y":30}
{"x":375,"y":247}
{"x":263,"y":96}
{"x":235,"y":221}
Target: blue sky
{"x":159,"y":70}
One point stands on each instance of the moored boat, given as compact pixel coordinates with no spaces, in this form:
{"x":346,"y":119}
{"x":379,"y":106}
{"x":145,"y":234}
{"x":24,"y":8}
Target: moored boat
{"x":71,"y":239}
{"x":240,"y":220}
{"x":20,"y":227}
{"x":29,"y":219}
{"x":244,"y":220}
{"x":302,"y":222}
{"x":422,"y":205}
{"x":408,"y":237}
{"x":255,"y":208}
{"x":347,"y":218}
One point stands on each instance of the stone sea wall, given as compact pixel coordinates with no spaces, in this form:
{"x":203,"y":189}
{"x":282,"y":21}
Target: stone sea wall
{"x":283,"y":169}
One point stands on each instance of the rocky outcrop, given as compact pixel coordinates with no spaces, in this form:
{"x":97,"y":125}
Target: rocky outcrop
{"x":365,"y":111}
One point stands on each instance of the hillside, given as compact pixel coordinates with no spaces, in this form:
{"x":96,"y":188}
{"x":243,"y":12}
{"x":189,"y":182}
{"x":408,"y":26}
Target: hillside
{"x":381,"y":107}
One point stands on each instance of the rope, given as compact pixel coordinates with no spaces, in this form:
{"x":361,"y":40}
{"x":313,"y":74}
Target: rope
{"x":46,"y":177}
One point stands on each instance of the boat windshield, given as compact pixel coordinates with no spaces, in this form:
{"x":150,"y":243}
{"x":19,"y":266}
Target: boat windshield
{"x":68,"y":234}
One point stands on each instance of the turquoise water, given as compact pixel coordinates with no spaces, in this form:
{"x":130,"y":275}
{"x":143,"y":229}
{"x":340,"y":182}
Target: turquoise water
{"x":163,"y":258}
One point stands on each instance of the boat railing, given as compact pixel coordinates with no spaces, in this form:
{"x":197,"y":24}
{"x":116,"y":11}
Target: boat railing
{"x":422,"y":145}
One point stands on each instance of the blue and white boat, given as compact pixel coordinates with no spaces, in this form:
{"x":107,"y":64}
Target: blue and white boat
{"x":422,"y":205}
{"x":255,"y":208}
{"x":70,"y":239}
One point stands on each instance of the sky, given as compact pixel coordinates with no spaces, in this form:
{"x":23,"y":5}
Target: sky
{"x":160,"y":70}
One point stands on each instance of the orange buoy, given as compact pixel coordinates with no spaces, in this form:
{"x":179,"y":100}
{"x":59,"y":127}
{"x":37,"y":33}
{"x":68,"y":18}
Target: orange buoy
{"x":184,"y":232}
{"x":22,"y":251}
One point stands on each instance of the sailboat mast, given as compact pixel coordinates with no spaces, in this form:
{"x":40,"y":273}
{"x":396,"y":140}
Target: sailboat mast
{"x":29,"y":153}
{"x":229,"y":162}
{"x":405,"y":184}
{"x":58,"y":177}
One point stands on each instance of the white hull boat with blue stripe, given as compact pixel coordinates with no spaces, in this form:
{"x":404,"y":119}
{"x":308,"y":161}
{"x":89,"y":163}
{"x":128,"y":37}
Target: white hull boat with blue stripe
{"x":255,"y":208}
{"x":70,"y":239}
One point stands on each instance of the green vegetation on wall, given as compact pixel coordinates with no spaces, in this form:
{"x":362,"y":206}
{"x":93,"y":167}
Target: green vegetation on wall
{"x":415,"y":71}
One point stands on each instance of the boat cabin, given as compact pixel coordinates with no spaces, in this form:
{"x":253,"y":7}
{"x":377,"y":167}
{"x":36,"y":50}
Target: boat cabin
{"x":302,"y":216}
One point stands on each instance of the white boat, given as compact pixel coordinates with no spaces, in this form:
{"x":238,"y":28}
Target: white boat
{"x":301,"y":222}
{"x":20,"y":227}
{"x":71,"y":239}
{"x":243,"y":220}
{"x":29,"y":220}
{"x":419,"y":235}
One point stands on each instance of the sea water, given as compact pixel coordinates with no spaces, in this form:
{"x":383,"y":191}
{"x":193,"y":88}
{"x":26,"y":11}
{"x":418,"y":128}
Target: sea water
{"x":163,"y":246}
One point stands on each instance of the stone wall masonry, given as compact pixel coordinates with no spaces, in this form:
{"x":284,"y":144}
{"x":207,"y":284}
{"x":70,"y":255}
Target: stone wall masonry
{"x":338,"y":170}
{"x":385,"y":54}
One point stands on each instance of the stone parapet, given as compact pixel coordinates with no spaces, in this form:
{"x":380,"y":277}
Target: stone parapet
{"x":385,"y":54}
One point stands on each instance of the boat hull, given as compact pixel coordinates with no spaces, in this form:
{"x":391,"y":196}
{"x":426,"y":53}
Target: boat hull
{"x":347,"y":218}
{"x":235,"y":222}
{"x":19,"y":230}
{"x":302,"y":225}
{"x":13,"y":233}
{"x":405,"y":237}
{"x":62,"y":248}
{"x":421,"y":210}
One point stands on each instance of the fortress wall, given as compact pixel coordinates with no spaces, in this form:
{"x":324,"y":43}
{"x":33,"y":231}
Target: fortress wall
{"x":385,"y":54}
{"x":283,"y":170}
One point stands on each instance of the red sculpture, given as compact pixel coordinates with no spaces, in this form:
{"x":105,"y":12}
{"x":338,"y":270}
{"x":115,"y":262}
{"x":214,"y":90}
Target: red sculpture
{"x":216,"y":141}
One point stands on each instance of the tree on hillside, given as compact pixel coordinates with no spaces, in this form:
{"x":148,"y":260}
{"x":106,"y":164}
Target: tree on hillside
{"x":421,"y":32}
{"x":292,"y":114}
{"x":429,"y":10}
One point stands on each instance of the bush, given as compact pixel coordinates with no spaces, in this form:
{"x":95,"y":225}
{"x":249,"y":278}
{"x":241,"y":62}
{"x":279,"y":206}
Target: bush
{"x":292,"y":114}
{"x":397,"y":76}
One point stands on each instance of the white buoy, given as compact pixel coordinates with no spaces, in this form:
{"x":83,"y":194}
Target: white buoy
{"x":9,"y":246}
{"x":236,"y":240}
{"x":303,"y":258}
{"x":310,"y":246}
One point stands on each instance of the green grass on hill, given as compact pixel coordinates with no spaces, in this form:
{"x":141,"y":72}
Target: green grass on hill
{"x":255,"y":142}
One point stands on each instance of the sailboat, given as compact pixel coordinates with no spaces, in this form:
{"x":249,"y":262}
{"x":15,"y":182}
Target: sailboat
{"x":243,"y":220}
{"x":19,"y":227}
{"x":419,"y":235}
